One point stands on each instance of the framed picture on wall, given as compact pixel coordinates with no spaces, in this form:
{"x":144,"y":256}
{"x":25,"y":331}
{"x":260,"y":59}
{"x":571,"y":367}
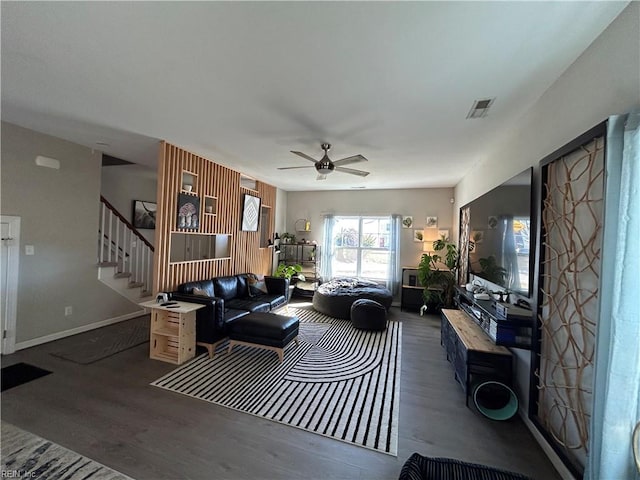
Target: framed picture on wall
{"x":188,"y":211}
{"x":250,"y":213}
{"x":431,"y":222}
{"x":144,"y":214}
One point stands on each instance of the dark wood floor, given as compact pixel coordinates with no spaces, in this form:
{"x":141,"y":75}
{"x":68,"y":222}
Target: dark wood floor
{"x":108,"y":411}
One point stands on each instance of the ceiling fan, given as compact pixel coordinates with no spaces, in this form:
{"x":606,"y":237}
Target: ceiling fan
{"x":325,"y":166}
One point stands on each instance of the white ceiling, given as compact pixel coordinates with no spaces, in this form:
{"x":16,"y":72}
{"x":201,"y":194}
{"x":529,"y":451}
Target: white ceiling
{"x":243,"y":83}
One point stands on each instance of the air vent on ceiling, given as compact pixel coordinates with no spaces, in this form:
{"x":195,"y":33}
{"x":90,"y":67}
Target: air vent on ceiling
{"x":480,"y":108}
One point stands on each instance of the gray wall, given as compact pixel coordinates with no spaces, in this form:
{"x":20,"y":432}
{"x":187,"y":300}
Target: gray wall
{"x":603,"y":81}
{"x":418,"y":203}
{"x":122,"y":184}
{"x":59,"y":217}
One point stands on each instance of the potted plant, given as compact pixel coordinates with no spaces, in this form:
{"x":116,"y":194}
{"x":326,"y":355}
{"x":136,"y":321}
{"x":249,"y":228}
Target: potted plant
{"x":437,"y":273}
{"x":288,"y":238}
{"x":288,"y":271}
{"x":291,"y":273}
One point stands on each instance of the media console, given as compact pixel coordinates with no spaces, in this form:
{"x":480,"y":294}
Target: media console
{"x":476,"y":337}
{"x":474,"y":356}
{"x":505,"y":324}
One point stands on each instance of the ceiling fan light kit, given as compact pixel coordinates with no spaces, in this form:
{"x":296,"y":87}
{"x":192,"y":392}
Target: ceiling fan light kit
{"x":325,"y":166}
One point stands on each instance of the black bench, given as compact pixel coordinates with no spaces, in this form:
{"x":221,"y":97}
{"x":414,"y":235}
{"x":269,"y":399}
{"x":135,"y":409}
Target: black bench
{"x":264,"y":330}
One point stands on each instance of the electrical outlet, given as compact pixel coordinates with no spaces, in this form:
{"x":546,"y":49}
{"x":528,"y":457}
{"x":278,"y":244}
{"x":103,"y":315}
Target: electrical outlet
{"x":68,"y":311}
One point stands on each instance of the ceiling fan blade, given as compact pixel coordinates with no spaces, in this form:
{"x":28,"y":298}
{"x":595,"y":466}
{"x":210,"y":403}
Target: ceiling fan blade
{"x":304,"y":155}
{"x":321,"y":177}
{"x":290,"y":168}
{"x":352,"y":171}
{"x":351,"y":159}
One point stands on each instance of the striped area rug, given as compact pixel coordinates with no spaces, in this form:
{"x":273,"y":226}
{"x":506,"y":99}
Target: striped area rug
{"x":338,"y":381}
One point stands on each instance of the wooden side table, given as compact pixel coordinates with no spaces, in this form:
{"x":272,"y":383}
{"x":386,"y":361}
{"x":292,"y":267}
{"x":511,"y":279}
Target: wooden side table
{"x":172,"y":332}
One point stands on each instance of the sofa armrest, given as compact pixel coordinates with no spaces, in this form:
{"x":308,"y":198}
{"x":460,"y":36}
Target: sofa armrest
{"x":277,"y":285}
{"x":210,"y":324}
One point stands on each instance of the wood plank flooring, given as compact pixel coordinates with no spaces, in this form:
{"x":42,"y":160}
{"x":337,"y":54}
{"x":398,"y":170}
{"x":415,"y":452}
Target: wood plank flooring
{"x":108,"y":412}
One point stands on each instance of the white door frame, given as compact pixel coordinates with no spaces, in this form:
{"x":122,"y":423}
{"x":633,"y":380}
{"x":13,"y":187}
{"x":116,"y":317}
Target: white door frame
{"x":10,"y":307}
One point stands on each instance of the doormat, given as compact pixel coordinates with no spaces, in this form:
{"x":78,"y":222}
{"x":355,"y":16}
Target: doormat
{"x":20,"y":373}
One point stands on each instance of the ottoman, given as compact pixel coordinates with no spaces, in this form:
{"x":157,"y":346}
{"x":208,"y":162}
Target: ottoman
{"x":264,"y":330}
{"x":368,"y":315}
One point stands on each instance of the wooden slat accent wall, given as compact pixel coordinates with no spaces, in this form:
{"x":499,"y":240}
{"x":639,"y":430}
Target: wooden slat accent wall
{"x":210,"y":180}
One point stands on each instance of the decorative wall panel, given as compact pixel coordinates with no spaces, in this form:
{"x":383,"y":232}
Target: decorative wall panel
{"x":177,"y":168}
{"x":571,"y":237}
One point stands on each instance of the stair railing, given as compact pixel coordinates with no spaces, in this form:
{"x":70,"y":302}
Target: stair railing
{"x":123,"y":246}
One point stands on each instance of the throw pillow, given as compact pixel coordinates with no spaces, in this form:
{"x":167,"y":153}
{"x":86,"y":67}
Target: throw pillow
{"x":257,"y":285}
{"x":199,"y":292}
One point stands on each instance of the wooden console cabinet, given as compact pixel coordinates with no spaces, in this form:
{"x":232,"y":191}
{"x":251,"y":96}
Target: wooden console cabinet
{"x":474,"y":356}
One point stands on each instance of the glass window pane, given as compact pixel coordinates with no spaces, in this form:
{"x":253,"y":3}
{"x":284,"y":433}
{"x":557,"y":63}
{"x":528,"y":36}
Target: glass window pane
{"x":361,"y":247}
{"x":375,"y":264}
{"x":345,"y":262}
{"x":346,"y":232}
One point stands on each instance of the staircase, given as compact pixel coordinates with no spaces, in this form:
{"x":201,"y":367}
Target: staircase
{"x":125,"y":257}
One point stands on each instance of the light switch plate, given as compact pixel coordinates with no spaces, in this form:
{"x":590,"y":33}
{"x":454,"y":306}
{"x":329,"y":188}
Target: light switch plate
{"x":29,"y":250}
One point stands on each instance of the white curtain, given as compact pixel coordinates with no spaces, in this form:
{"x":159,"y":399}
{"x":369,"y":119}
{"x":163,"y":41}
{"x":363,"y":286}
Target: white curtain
{"x":326,"y":253}
{"x":393,"y":284}
{"x":616,"y":407}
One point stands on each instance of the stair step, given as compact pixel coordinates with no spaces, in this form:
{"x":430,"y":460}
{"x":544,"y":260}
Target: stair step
{"x":135,"y":285}
{"x":122,"y":275}
{"x":108,"y":264}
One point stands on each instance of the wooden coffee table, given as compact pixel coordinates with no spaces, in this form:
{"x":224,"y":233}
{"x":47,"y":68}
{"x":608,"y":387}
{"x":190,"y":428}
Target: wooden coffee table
{"x":173,"y":331}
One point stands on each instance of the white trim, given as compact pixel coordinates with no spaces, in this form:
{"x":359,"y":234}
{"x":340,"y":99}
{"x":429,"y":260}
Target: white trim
{"x":555,"y":460}
{"x":74,"y":331}
{"x":12,"y":270}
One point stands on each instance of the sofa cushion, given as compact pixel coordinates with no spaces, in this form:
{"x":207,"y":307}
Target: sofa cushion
{"x":226,"y":287}
{"x":250,"y":304}
{"x":273,"y":300}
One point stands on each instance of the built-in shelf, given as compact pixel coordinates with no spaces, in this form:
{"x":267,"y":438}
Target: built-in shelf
{"x":189,"y":182}
{"x":194,"y":247}
{"x":210,"y":205}
{"x":248,"y":183}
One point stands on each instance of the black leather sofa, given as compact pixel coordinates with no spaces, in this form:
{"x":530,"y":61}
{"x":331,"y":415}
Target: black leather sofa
{"x":226,"y":299}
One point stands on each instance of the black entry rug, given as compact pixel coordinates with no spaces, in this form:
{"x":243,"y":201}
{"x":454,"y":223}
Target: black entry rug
{"x":338,"y":381}
{"x":89,"y":347}
{"x":19,"y":373}
{"x":25,"y":455}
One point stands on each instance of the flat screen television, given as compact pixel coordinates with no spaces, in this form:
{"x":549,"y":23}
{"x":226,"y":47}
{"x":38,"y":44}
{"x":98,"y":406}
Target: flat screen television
{"x":500,"y":249}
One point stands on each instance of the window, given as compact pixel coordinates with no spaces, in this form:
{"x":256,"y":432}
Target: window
{"x":362,"y":248}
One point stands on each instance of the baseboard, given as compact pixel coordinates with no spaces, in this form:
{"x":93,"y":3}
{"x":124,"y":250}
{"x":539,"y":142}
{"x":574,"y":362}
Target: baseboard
{"x":558,"y":464}
{"x":84,"y":328}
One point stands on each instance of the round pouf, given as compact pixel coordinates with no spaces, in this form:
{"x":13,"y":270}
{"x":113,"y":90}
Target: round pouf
{"x":334,"y":298}
{"x":495,"y":400}
{"x":368,"y":315}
